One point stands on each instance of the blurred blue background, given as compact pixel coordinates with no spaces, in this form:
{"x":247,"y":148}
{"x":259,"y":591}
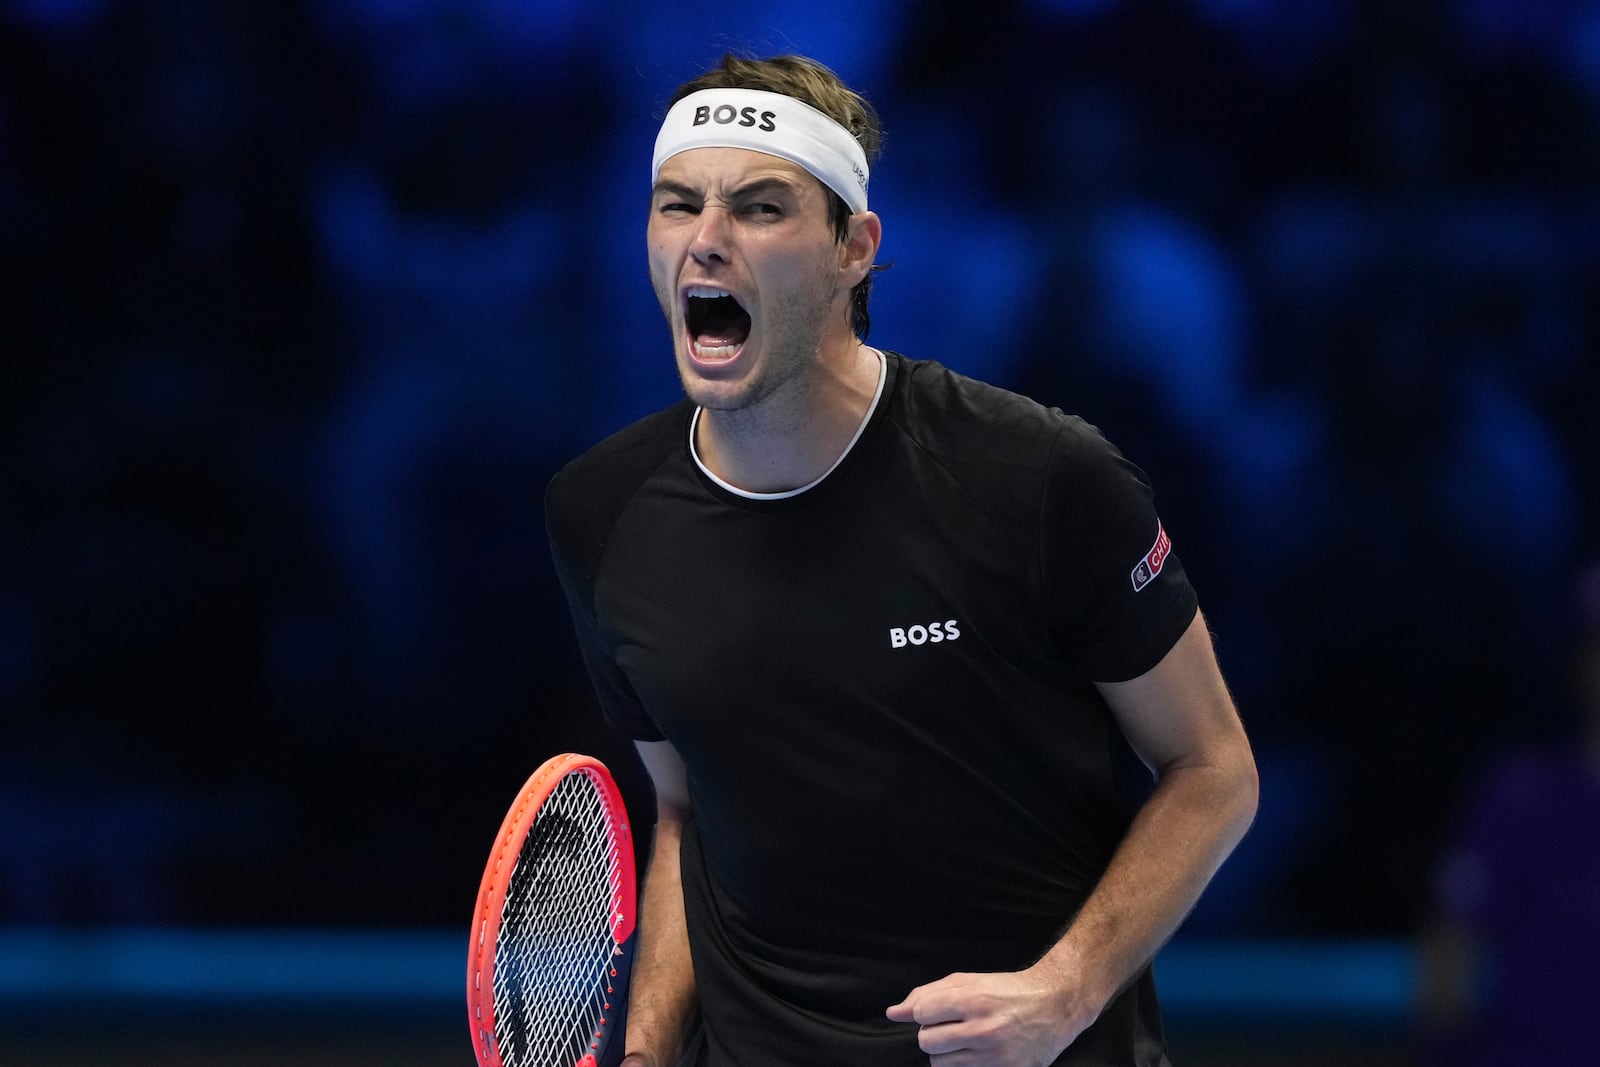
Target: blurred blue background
{"x":306,"y":301}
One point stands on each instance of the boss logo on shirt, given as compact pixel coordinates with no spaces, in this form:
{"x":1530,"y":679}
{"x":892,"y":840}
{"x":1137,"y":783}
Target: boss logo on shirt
{"x":931,"y":634}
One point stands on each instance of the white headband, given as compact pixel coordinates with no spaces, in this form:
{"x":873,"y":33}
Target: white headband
{"x":767,"y":122}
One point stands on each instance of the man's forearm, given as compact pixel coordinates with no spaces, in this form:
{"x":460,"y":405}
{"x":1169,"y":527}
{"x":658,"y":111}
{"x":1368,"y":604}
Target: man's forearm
{"x":661,"y":998}
{"x":1179,"y":839}
{"x":1176,"y":843}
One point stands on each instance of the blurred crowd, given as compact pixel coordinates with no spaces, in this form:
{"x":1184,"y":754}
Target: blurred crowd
{"x":306,"y":301}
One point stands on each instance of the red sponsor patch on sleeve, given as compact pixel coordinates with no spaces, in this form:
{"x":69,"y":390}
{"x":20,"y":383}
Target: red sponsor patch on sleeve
{"x":1147,"y":569}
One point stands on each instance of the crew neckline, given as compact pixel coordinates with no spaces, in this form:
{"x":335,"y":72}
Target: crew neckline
{"x":877,"y":396}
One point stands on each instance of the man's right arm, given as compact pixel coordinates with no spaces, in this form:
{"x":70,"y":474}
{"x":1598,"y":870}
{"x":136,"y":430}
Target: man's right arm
{"x":661,"y":997}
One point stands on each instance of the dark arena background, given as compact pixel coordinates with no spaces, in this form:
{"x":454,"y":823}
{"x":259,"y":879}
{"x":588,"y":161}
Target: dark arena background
{"x":304,"y":302}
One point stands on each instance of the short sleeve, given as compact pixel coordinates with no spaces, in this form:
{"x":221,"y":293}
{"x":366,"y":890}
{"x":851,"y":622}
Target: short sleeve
{"x":577,"y":557}
{"x":1116,"y":593}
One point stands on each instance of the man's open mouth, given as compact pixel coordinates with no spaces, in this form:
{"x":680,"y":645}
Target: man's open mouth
{"x":717,"y":324}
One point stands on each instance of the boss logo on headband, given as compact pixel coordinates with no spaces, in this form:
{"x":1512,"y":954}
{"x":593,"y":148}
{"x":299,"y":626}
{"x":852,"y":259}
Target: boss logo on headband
{"x":724,"y":114}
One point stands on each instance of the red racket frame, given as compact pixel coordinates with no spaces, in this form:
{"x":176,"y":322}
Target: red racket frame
{"x":514,"y":828}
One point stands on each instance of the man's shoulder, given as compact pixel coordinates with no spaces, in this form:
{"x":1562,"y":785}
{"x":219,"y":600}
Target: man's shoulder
{"x":598,"y":482}
{"x":642,"y":444}
{"x":951,"y":414}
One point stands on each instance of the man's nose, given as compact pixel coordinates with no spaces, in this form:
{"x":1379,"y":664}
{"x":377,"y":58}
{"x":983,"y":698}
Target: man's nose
{"x":712,"y":235}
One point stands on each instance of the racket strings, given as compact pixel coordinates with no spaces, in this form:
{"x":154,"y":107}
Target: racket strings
{"x":556,"y":945}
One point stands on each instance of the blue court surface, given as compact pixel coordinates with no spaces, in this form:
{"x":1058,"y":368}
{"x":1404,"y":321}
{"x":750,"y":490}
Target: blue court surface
{"x":125,"y":996}
{"x":1269,"y":980}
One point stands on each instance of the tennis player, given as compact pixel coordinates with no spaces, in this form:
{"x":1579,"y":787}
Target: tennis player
{"x":941,"y":751}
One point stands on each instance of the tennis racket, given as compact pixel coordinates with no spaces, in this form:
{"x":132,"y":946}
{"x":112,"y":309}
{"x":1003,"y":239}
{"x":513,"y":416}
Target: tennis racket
{"x":547,"y":968}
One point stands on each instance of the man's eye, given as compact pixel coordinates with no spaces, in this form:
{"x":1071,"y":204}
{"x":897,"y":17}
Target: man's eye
{"x":676,"y":206}
{"x":765,"y":209}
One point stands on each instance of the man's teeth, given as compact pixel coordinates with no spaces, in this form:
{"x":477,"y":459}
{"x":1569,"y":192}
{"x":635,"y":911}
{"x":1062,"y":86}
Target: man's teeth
{"x":715,"y":352}
{"x":705,"y":292}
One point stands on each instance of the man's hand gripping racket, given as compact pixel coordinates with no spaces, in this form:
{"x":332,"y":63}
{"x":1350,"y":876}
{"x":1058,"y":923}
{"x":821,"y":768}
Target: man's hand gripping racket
{"x":552,"y":934}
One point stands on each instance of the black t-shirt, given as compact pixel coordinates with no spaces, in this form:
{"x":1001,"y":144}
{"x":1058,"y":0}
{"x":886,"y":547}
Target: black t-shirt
{"x":882,"y":689}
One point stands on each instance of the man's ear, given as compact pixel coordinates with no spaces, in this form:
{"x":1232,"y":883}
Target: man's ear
{"x":859,"y":249}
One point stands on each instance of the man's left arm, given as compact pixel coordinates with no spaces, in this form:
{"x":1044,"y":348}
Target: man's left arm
{"x":1180,"y":719}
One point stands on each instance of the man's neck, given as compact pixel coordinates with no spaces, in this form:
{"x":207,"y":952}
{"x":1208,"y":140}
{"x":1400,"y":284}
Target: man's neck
{"x":776,"y":448}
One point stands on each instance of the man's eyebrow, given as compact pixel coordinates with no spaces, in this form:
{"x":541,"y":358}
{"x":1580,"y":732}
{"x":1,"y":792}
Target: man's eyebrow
{"x":672,"y":188}
{"x":760,"y":186}
{"x":755,"y":187}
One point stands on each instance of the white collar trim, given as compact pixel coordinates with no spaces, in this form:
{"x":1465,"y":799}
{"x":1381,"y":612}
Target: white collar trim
{"x":877,"y":395}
